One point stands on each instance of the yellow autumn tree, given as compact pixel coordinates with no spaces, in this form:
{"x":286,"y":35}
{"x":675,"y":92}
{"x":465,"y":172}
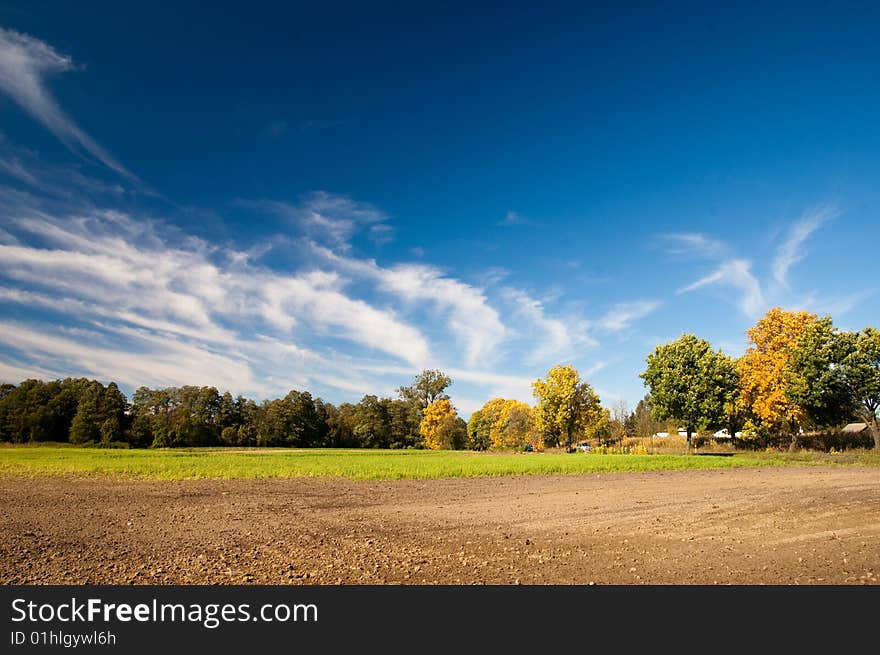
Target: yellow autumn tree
{"x":502,"y":423}
{"x":566,"y":406}
{"x":440,"y":425}
{"x":762,"y":368}
{"x":490,"y":413}
{"x":512,"y":425}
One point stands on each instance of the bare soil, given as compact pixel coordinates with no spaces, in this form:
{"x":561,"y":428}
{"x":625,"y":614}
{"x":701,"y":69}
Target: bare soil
{"x":800,"y":525}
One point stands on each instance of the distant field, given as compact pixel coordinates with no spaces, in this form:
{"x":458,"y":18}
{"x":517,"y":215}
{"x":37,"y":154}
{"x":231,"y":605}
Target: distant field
{"x":185,"y":464}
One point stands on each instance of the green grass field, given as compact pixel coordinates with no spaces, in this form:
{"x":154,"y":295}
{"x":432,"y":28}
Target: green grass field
{"x":186,"y":464}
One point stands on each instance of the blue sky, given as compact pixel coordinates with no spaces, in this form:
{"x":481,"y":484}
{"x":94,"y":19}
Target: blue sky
{"x":263,"y":197}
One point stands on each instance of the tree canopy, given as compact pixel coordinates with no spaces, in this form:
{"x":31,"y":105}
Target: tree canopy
{"x":835,"y":376}
{"x":441,"y":427}
{"x":762,"y":368}
{"x":690,"y":383}
{"x":428,"y":386}
{"x":566,"y":405}
{"x":502,"y":423}
{"x":799,"y":371}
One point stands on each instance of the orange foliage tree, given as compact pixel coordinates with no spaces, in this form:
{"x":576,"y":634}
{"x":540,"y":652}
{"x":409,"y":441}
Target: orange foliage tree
{"x":762,"y":368}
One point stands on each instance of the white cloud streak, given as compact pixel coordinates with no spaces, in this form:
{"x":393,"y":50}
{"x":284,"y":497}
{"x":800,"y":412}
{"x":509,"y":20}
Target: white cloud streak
{"x":694,"y":243}
{"x":622,"y":315}
{"x":754,"y":295}
{"x":736,"y":274}
{"x":26,"y":64}
{"x":793,"y":250}
{"x":476,"y":325}
{"x":556,"y":337}
{"x":329,"y":219}
{"x":100,"y":292}
{"x":161,"y":364}
{"x":109,"y":267}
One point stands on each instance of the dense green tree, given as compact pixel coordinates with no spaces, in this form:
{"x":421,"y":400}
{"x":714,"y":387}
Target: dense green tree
{"x":372,"y":423}
{"x":861,"y":374}
{"x":405,"y":417}
{"x":340,"y":426}
{"x":86,"y":425}
{"x":428,"y":386}
{"x":479,"y":431}
{"x":452,"y":432}
{"x":250,"y":414}
{"x":39,"y":411}
{"x":814,"y":377}
{"x":690,"y":383}
{"x":835,"y":376}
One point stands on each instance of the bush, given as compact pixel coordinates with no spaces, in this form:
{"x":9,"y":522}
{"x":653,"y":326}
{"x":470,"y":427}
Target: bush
{"x":603,"y":449}
{"x":838,"y":441}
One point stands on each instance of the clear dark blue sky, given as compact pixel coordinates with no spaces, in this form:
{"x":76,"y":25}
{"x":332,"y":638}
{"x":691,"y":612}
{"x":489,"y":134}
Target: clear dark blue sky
{"x":493,"y":189}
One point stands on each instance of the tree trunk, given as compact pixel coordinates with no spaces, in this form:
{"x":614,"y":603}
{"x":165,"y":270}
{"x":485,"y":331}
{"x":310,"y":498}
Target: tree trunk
{"x":794,"y":437}
{"x":874,"y":426}
{"x":690,"y":432}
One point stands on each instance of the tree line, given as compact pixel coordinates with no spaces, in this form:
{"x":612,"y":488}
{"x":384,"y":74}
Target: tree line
{"x":82,"y":411}
{"x":799,"y":373}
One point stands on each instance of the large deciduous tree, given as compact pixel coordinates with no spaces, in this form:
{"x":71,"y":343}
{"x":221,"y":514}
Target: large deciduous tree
{"x":428,"y":386}
{"x":814,"y":379}
{"x":835,"y":375}
{"x":690,"y":383}
{"x":441,"y":427}
{"x":861,"y":374}
{"x":566,"y":405}
{"x":513,"y":427}
{"x":762,"y":369}
{"x":501,"y":423}
{"x":99,"y":414}
{"x":478,"y":431}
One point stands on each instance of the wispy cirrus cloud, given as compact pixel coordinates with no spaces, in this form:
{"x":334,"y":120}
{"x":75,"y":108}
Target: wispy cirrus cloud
{"x":101,"y":291}
{"x":554,"y":337}
{"x":329,"y":219}
{"x":736,"y":274}
{"x":756,"y":292}
{"x":622,"y":315}
{"x":26,"y":64}
{"x":120,"y":278}
{"x":25,"y":167}
{"x":465,"y":307}
{"x":694,"y":243}
{"x":160,"y":363}
{"x":792,"y":249}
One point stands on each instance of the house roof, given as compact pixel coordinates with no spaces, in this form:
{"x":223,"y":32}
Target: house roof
{"x":855,"y":428}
